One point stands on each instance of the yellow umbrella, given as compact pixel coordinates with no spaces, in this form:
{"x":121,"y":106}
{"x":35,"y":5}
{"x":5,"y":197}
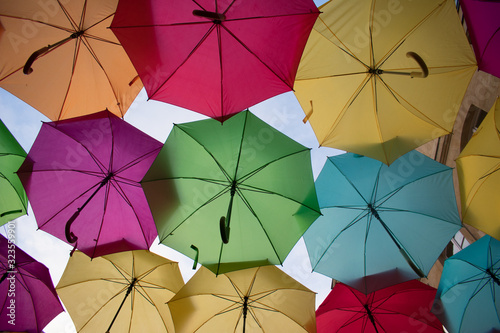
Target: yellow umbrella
{"x":61,"y":58}
{"x":479,"y":180}
{"x":380,"y":78}
{"x":121,"y":292}
{"x":262,"y":299}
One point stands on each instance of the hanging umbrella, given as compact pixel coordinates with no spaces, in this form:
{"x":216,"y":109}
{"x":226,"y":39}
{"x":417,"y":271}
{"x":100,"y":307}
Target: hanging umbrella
{"x":483,"y":27}
{"x":404,"y":307}
{"x":381,"y":225}
{"x":29,"y":300}
{"x":120,"y":292}
{"x":380,"y":78}
{"x":262,"y":299}
{"x":82,"y":179}
{"x":13,"y":200}
{"x":215,"y":57}
{"x":245,"y":191}
{"x":61,"y":58}
{"x":477,"y":167}
{"x":467,"y":296}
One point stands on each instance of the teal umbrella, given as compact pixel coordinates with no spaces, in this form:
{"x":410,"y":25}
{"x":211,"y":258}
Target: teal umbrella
{"x":13,"y":199}
{"x":381,"y":225}
{"x":467,"y":299}
{"x":233,"y":195}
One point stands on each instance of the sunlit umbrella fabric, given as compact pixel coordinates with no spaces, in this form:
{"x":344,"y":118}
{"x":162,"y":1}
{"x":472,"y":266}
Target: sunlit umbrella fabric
{"x":215,"y":57}
{"x":254,"y":300}
{"x":253,"y":176}
{"x":74,"y":64}
{"x":82,"y":179}
{"x":467,"y":295}
{"x":348,"y":83}
{"x":120,"y":292}
{"x":381,"y":225}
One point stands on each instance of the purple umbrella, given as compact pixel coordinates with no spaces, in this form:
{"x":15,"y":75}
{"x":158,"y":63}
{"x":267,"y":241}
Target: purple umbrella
{"x":29,"y":300}
{"x":82,"y":180}
{"x":483,"y":22}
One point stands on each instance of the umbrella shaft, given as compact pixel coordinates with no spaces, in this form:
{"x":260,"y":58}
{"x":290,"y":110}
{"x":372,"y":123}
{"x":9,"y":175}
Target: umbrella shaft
{"x":119,"y":308}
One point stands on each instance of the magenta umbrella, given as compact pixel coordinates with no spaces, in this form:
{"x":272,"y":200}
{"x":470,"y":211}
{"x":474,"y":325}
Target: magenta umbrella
{"x":82,"y":180}
{"x":215,"y":57}
{"x":27,"y":295}
{"x":483,"y":23}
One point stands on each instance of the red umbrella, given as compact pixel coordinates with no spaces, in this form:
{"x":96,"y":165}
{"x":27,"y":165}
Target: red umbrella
{"x":483,"y":24}
{"x":215,"y":57}
{"x":403,"y":307}
{"x":82,"y":180}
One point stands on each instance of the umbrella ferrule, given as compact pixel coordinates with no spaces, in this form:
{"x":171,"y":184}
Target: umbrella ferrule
{"x":373,"y":211}
{"x":493,"y":276}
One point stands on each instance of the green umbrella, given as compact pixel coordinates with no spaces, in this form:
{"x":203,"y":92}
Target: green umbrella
{"x":231,"y":196}
{"x":13,"y":199}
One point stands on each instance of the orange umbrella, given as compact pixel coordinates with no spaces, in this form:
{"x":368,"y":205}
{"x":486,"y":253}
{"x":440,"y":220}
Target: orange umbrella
{"x":63,"y":60}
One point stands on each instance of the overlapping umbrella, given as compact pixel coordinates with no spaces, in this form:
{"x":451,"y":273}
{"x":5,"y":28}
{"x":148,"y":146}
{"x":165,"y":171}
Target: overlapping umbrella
{"x":477,"y":168}
{"x":262,"y":299}
{"x":215,"y":57}
{"x":380,"y":79}
{"x":245,"y":192}
{"x":61,"y":58}
{"x":13,"y":199}
{"x":27,"y":295}
{"x":381,"y":225}
{"x":120,"y":292}
{"x":82,"y":179}
{"x":467,"y":296}
{"x":404,"y":307}
{"x":483,"y":27}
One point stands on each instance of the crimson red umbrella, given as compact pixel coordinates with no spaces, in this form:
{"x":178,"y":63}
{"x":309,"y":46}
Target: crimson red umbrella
{"x":215,"y":57}
{"x":82,"y":177}
{"x":403,"y":307}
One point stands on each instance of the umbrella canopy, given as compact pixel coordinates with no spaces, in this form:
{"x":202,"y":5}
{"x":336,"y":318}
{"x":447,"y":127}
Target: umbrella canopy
{"x":120,"y":292}
{"x":381,"y":225}
{"x":404,"y":307}
{"x":483,"y":27}
{"x":262,"y":299}
{"x":29,"y":300}
{"x":477,"y":167}
{"x":61,"y":58}
{"x":245,"y":192}
{"x":215,"y":57}
{"x":467,"y":295}
{"x":13,"y":199}
{"x":82,"y":179}
{"x":380,"y":78}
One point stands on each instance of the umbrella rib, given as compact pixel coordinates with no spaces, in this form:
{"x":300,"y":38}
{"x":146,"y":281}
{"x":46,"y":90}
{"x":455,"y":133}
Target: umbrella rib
{"x":209,"y":31}
{"x":344,"y":47}
{"x":105,"y":203}
{"x":398,"y":97}
{"x":260,"y":223}
{"x":226,"y":174}
{"x":223,"y":191}
{"x":289,"y":85}
{"x":40,"y":22}
{"x":352,"y":223}
{"x":250,"y":188}
{"x":403,"y":39}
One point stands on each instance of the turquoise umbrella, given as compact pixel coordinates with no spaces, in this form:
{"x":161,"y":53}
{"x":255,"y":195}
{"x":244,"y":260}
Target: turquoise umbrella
{"x":381,"y":225}
{"x":467,"y":297}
